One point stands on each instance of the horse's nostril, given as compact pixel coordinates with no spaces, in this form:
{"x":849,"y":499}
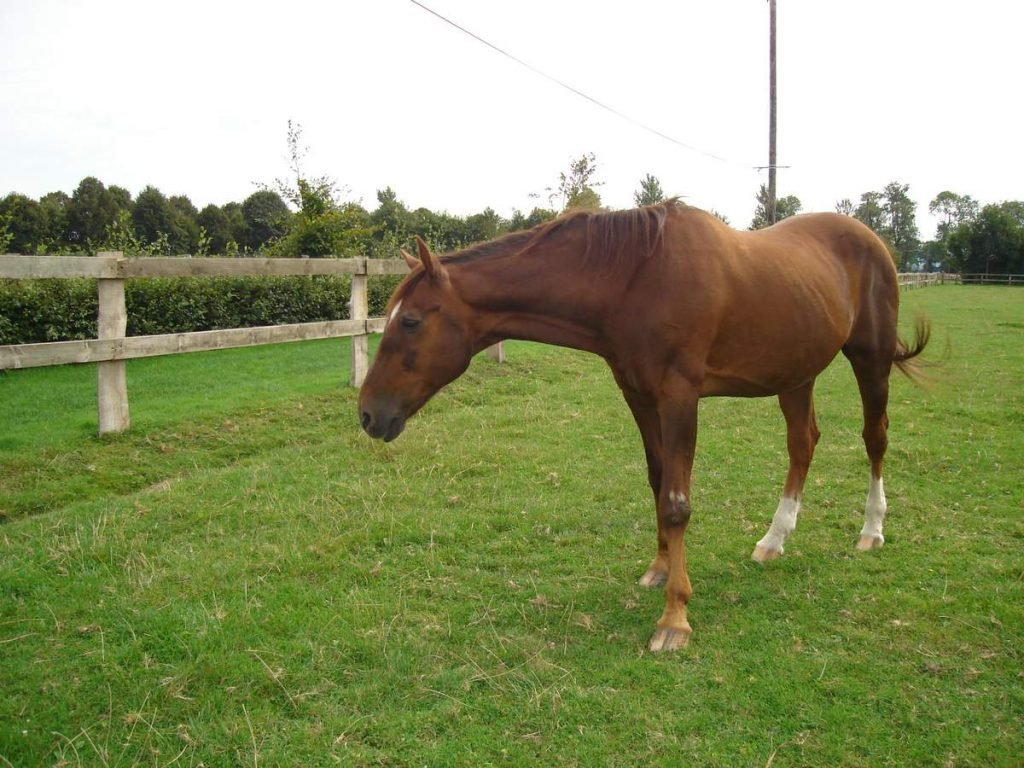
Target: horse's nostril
{"x":366,"y":419}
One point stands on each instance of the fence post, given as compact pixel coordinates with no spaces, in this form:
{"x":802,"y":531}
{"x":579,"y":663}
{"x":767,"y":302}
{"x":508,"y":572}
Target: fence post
{"x":359,"y":309}
{"x":497,"y":352}
{"x":112,"y":375}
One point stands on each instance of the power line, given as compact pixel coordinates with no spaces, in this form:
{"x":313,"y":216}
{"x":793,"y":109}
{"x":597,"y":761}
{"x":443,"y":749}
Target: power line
{"x":576,"y":91}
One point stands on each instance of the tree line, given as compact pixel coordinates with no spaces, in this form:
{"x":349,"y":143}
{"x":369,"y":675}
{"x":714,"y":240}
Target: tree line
{"x":303,"y":215}
{"x":97,"y":217}
{"x":307,"y":216}
{"x":969,"y":238}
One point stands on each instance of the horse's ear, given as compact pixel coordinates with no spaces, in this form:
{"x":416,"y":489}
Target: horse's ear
{"x":431,"y":265}
{"x":411,"y":260}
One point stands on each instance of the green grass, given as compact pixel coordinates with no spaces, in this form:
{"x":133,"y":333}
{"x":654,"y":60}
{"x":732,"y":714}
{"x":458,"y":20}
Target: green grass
{"x":245,"y":579}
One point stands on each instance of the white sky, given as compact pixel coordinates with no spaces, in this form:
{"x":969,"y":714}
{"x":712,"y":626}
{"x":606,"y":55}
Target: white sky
{"x":194,"y":97}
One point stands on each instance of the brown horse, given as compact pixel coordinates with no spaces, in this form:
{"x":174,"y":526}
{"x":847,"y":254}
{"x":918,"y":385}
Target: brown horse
{"x":681,"y":307}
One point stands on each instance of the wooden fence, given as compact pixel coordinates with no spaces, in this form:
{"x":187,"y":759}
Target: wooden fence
{"x":113,"y":348}
{"x":921,"y":279}
{"x":989,"y":279}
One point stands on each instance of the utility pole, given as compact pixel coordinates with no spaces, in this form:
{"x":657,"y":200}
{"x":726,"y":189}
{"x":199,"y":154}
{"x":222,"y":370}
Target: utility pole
{"x":771,"y":112}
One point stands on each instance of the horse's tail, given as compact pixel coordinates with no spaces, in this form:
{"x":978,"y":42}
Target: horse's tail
{"x":905,"y":356}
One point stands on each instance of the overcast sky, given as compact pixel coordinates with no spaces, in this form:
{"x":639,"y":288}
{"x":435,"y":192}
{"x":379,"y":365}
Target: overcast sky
{"x":194,"y":98}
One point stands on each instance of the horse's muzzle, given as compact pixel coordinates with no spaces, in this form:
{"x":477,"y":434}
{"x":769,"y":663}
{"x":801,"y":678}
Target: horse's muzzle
{"x":382,"y":424}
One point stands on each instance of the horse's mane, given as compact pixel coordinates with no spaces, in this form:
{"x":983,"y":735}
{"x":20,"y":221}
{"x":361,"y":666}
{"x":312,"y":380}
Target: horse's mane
{"x":611,"y":237}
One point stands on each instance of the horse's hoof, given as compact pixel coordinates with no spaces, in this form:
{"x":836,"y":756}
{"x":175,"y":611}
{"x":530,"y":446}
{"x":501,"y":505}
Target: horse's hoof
{"x":670,"y":639}
{"x":870,"y":541}
{"x":762,"y":555}
{"x":653,"y":579}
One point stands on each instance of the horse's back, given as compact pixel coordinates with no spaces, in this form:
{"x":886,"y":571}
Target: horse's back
{"x":844,"y":239}
{"x":774,"y":307}
{"x":826,"y":262}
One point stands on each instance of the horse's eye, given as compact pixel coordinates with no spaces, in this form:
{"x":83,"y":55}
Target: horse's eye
{"x":408,"y":321}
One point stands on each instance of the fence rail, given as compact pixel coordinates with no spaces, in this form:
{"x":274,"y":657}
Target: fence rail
{"x":987,"y":279}
{"x":131,"y":347}
{"x":113,"y":265}
{"x":910,"y":280}
{"x":113,"y":348}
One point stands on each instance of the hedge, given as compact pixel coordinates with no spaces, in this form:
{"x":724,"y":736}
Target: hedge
{"x":61,"y":310}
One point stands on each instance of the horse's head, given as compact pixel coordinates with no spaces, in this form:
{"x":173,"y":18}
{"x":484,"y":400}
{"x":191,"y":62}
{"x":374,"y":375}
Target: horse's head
{"x":426,"y":344}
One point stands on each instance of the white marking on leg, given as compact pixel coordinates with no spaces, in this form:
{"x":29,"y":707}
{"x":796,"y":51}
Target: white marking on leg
{"x":783,"y":523}
{"x":394,"y":314}
{"x":874,"y":511}
{"x":676,"y":497}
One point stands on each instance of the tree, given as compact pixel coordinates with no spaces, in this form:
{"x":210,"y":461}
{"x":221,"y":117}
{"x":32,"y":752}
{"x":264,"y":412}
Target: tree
{"x":392,"y":223}
{"x":584,"y":200}
{"x":121,"y":197}
{"x":870,"y":211}
{"x":953,"y":210}
{"x":391,"y":215}
{"x":443,"y":231}
{"x":933,"y":256}
{"x":576,"y":188}
{"x":650,"y":192}
{"x":520,"y":221}
{"x":122,"y":236}
{"x":900,"y":225}
{"x":892,"y":215}
{"x":5,"y":233}
{"x":845,"y":207}
{"x":92,"y":208}
{"x":993,"y":243}
{"x":1015,"y":210}
{"x":214,"y":221}
{"x":338,"y":231}
{"x":266,"y":218}
{"x":311,"y":196}
{"x":184,"y":235}
{"x":322,"y":225}
{"x":152,"y":215}
{"x":785,"y":207}
{"x":483,"y":226}
{"x":239,"y":228}
{"x":54,"y":207}
{"x":25,"y":223}
{"x":356,"y":231}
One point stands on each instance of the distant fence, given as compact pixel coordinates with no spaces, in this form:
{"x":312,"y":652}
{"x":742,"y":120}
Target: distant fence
{"x":986,"y":279}
{"x":921,"y":279}
{"x":113,"y":348}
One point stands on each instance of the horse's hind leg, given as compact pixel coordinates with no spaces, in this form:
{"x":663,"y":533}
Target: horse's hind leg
{"x":872,"y":372}
{"x":801,"y":437}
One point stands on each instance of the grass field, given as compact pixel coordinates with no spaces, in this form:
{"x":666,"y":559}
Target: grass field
{"x":246,"y":579}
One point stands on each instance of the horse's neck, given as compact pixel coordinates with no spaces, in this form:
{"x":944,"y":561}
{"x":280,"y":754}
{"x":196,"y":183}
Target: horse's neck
{"x":541,"y":295}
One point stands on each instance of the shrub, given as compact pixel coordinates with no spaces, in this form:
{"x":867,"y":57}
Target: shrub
{"x":47,"y":310}
{"x":59,"y":310}
{"x":379,"y":291}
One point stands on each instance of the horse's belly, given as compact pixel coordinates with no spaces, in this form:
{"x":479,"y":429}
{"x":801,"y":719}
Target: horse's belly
{"x":740,"y":383}
{"x":776,"y":357}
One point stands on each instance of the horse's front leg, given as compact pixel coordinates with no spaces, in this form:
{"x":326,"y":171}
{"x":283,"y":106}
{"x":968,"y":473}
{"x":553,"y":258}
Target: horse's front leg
{"x":645,"y":412}
{"x":679,"y":439}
